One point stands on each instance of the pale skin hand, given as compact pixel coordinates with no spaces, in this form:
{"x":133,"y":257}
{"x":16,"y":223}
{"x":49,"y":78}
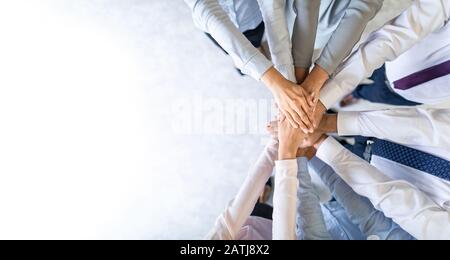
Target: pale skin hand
{"x":328,"y":125}
{"x":309,"y":152}
{"x":320,"y":141}
{"x":314,"y":83}
{"x":318,"y":114}
{"x":289,"y":140}
{"x":291,"y":99}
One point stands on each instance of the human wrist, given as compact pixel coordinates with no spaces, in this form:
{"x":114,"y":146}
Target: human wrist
{"x":286,"y":152}
{"x":273,"y":79}
{"x":328,"y":124}
{"x":320,"y":141}
{"x":317,"y":78}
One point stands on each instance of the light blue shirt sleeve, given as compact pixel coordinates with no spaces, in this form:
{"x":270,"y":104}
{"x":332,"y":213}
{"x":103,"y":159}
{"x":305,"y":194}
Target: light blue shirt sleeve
{"x":310,"y":221}
{"x":210,"y":17}
{"x":358,"y":14}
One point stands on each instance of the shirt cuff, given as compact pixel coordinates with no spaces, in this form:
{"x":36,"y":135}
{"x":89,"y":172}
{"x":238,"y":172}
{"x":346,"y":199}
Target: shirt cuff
{"x":328,"y":150}
{"x":288,"y":71}
{"x":257,"y":66}
{"x":330,"y":94}
{"x":288,"y":166}
{"x":347,"y":123}
{"x":301,"y":62}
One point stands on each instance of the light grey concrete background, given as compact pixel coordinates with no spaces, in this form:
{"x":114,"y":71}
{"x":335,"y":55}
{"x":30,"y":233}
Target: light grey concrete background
{"x":88,"y":145}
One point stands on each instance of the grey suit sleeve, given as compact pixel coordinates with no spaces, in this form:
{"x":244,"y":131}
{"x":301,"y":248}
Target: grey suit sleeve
{"x":210,"y":17}
{"x":358,"y":14}
{"x":305,"y":30}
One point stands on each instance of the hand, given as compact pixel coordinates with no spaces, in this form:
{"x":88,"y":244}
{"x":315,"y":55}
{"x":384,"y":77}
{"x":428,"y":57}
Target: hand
{"x":314,"y":83}
{"x":320,"y":141}
{"x":272,"y":129}
{"x":291,"y":99}
{"x":289,"y":140}
{"x":292,"y":102}
{"x":313,"y":92}
{"x":306,"y":142}
{"x":309,"y":152}
{"x":318,"y":114}
{"x":311,"y":139}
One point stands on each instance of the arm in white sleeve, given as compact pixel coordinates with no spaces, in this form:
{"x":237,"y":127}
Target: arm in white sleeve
{"x":211,"y":18}
{"x":305,"y":31}
{"x":279,"y":40}
{"x":285,"y":200}
{"x":396,"y":37}
{"x":409,"y":126}
{"x":410,"y":208}
{"x":230,"y":222}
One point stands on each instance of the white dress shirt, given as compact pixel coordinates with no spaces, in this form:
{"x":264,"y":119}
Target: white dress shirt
{"x":422,"y":129}
{"x":415,"y":24}
{"x":409,"y":207}
{"x":210,"y":17}
{"x":285,"y":200}
{"x":230,"y":224}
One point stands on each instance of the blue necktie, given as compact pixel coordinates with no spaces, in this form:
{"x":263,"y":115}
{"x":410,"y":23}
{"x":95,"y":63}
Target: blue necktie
{"x":413,"y":158}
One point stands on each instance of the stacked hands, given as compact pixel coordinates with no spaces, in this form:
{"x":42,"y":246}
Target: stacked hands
{"x":294,"y":143}
{"x":299,"y":103}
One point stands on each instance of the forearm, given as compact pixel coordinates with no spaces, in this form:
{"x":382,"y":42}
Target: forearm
{"x":393,"y":39}
{"x":210,"y":16}
{"x":273,"y":79}
{"x":359,"y":209}
{"x":399,"y":200}
{"x":328,"y":124}
{"x":234,"y":217}
{"x":348,"y":33}
{"x":285,"y":200}
{"x":431,"y":125}
{"x":310,"y":220}
{"x":278,"y":37}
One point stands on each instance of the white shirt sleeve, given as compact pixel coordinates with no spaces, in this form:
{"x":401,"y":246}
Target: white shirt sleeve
{"x":211,"y":18}
{"x":230,"y":222}
{"x":431,"y":127}
{"x":396,"y":37}
{"x":274,"y":16}
{"x":404,"y":203}
{"x":285,"y":200}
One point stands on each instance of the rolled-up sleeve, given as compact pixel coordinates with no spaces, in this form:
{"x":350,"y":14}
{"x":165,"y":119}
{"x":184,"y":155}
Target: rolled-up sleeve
{"x":211,"y":18}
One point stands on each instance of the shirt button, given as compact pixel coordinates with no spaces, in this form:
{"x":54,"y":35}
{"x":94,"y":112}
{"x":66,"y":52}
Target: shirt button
{"x":373,"y":237}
